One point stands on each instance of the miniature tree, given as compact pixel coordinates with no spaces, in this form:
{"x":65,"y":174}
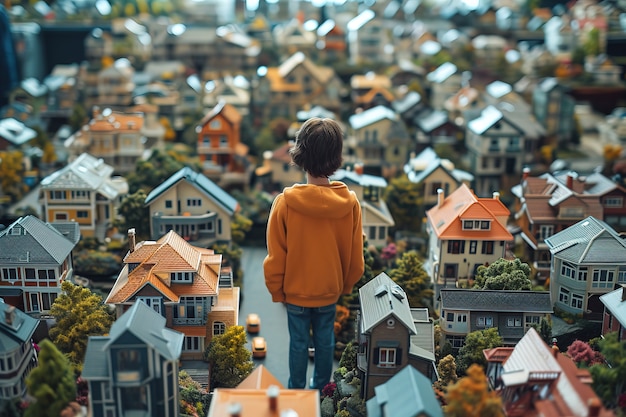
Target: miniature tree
{"x":609,"y":377}
{"x":79,"y":313}
{"x":504,"y":275}
{"x":412,"y":277}
{"x":470,"y":396}
{"x":583,"y":354}
{"x":193,"y":399}
{"x":51,"y":383}
{"x":95,"y":263}
{"x":544,"y":328}
{"x":229,"y":359}
{"x":404,"y":200}
{"x":239,"y":226}
{"x":447,"y":372}
{"x":348,"y":357}
{"x":135,"y":214}
{"x":472,"y":351}
{"x":11,"y":173}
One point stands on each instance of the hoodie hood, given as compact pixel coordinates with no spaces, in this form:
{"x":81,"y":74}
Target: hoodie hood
{"x":334,"y":200}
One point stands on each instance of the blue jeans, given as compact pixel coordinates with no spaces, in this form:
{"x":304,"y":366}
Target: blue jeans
{"x":318,"y":324}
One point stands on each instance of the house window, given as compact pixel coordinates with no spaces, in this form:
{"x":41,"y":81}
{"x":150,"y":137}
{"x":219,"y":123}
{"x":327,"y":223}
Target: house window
{"x":387,"y":357}
{"x":621,"y":275}
{"x":372,"y":232}
{"x":154,"y":302}
{"x":381,"y":232}
{"x":577,"y":301}
{"x":215,"y":124}
{"x":107,"y":395}
{"x":613,"y":202}
{"x":487,"y":247}
{"x":194,"y":202}
{"x":568,"y":270}
{"x":182,"y":277}
{"x":9,"y":274}
{"x":461,"y":318}
{"x":473,"y":245}
{"x":46,"y":274}
{"x":514,"y":322}
{"x":532,"y":320}
{"x":60,"y":216}
{"x":484,"y":322}
{"x":457,"y":342}
{"x":218,"y":328}
{"x":80,"y":194}
{"x":450,"y":270}
{"x":192,"y":344}
{"x":47,"y":298}
{"x":450,"y":317}
{"x":168,"y":203}
{"x":564,"y":295}
{"x":128,"y":360}
{"x":30,"y":273}
{"x":223,"y":142}
{"x":545,"y":231}
{"x":190,"y":308}
{"x":434,"y":187}
{"x":582,"y":274}
{"x":603,"y":278}
{"x":57,"y":195}
{"x":456,"y":246}
{"x":82,"y":214}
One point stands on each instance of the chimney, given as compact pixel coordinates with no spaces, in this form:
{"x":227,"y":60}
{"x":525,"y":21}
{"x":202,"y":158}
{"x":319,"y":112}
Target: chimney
{"x":234,"y":410}
{"x":131,"y":239}
{"x":440,"y":197}
{"x":570,"y":181}
{"x":358,"y":168}
{"x":555,"y":350}
{"x":496,"y":195}
{"x":272,"y":395}
{"x":525,"y":175}
{"x":9,"y":315}
{"x":594,"y":405}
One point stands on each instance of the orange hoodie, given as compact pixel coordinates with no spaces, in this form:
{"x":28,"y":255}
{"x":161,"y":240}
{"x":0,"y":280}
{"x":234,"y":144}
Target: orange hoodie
{"x":314,"y":244}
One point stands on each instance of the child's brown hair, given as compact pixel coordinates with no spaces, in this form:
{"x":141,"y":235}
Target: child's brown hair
{"x":318,"y":147}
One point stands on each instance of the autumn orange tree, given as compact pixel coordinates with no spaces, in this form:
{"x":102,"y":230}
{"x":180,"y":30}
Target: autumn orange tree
{"x":470,"y":396}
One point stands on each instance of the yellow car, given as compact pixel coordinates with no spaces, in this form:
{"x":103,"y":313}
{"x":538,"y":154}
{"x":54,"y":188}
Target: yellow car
{"x":253,"y":323}
{"x":259,"y":347}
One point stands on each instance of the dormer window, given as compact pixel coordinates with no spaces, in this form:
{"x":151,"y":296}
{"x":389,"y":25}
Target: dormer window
{"x":185,"y":277}
{"x":476,"y":224}
{"x":370,"y":193}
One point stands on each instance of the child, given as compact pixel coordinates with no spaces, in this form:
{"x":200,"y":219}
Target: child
{"x":314,"y":250}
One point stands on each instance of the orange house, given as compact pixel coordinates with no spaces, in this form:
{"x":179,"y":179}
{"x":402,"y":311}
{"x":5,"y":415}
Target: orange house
{"x":219,"y":138}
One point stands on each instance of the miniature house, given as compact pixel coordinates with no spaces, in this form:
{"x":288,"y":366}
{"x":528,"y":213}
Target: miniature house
{"x":385,"y":327}
{"x":86,"y":192}
{"x":588,"y":260}
{"x":376,"y":218}
{"x":193,"y":206}
{"x":134,"y":369}
{"x":36,"y":258}
{"x":185,"y":284}
{"x":614,"y":317}
{"x":465,"y":232}
{"x":16,"y":350}
{"x":535,"y":379}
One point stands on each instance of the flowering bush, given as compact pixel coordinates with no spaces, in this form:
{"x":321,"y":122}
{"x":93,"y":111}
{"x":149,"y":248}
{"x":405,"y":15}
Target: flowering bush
{"x":329,"y":389}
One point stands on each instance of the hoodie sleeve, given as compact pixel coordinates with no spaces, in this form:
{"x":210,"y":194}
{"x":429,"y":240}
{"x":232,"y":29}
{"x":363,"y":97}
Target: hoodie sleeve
{"x":274,"y":263}
{"x":357,"y":261}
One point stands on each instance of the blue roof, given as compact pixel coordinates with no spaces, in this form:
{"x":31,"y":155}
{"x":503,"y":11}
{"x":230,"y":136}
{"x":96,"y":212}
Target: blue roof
{"x":201,"y":182}
{"x":407,"y":394}
{"x":19,"y":332}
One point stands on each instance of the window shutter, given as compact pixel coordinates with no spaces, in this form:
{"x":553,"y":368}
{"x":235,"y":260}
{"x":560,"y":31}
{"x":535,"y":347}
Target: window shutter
{"x":376,"y":356}
{"x":398,"y":356}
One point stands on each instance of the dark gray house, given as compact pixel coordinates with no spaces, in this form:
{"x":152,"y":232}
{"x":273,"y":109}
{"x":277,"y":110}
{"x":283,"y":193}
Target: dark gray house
{"x":512,"y":312}
{"x":387,"y":331}
{"x":134,"y":370}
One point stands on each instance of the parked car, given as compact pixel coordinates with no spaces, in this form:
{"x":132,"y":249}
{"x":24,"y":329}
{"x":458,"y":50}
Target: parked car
{"x":259,"y":347}
{"x":253,"y":323}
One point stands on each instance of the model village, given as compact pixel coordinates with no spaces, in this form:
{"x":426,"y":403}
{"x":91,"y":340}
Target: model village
{"x":142,"y":143}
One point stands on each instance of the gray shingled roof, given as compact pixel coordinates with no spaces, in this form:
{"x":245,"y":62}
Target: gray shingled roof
{"x":412,"y":98}
{"x":201,"y":182}
{"x":613,"y":302}
{"x":589,"y":241}
{"x":22,"y":330}
{"x":496,"y":300}
{"x":381,"y":298}
{"x":407,"y":394}
{"x":32,"y":241}
{"x":96,"y":363}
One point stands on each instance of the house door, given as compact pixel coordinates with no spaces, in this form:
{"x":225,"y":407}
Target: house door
{"x":34,"y":301}
{"x":510,"y":165}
